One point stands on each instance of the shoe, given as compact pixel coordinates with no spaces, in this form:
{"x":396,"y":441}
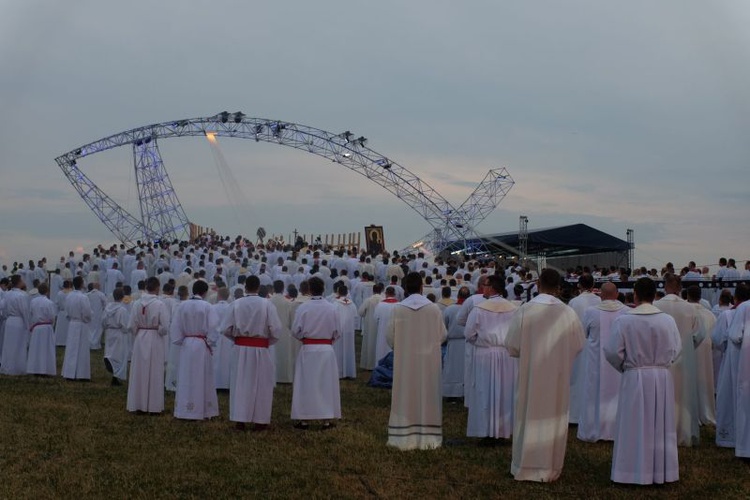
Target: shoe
{"x":108,"y":365}
{"x":328,"y":425}
{"x":301,"y":425}
{"x":115,"y":382}
{"x":239,"y":426}
{"x":260,"y":427}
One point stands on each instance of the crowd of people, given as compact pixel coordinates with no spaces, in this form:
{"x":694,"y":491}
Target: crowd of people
{"x":527,"y":352}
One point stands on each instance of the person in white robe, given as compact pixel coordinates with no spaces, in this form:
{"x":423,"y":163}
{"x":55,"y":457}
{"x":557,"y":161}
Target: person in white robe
{"x":98,"y":303}
{"x":415,"y":332}
{"x":315,"y":392}
{"x":580,"y":304}
{"x":455,"y":350}
{"x":16,"y":309}
{"x":495,"y":372}
{"x":172,"y":351}
{"x":726,"y":387}
{"x":346,"y":313}
{"x":42,"y":358}
{"x":113,"y":276}
{"x":382,"y":316}
{"x":224,"y":348}
{"x":367,"y":359}
{"x":62,"y":323}
{"x":116,"y":344}
{"x":601,"y":382}
{"x":285,"y":348}
{"x":253,"y":324}
{"x":149,"y":322}
{"x":704,"y":359}
{"x":195,"y":328}
{"x":546,"y":335}
{"x":461,"y":317}
{"x":645,"y":342}
{"x":739,"y":334}
{"x":684,"y":370}
{"x":77,"y":360}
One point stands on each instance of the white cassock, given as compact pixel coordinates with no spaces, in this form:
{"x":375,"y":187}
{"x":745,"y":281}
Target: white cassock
{"x":42,"y":359}
{"x":113,"y":276}
{"x":253,"y":324}
{"x":601,"y":382}
{"x":577,"y":379}
{"x":645,"y":343}
{"x":172,"y":353}
{"x":366,"y":311}
{"x":222,"y":356}
{"x":315,"y":393}
{"x":739,"y":334}
{"x":495,"y":372}
{"x":195,"y":328}
{"x":705,"y":366}
{"x":415,"y":332}
{"x":684,"y":370}
{"x":286,"y":348}
{"x":461,"y":317}
{"x":98,"y":303}
{"x":61,"y":324}
{"x":16,"y":304}
{"x":116,"y":342}
{"x":346,"y":312}
{"x":455,"y":353}
{"x":546,"y":335}
{"x":149,"y":321}
{"x":77,"y":360}
{"x":382,"y":316}
{"x":726,"y":384}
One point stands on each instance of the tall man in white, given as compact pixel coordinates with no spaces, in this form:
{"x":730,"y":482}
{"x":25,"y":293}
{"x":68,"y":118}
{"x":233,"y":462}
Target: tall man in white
{"x":684,"y":370}
{"x":415,"y":332}
{"x":315,"y":392}
{"x":253,"y":324}
{"x":645,"y":343}
{"x":546,"y":335}
{"x":42,"y":359}
{"x":600,"y":382}
{"x":580,"y":304}
{"x":16,"y":304}
{"x":367,"y":360}
{"x":739,"y":334}
{"x":116,"y":341}
{"x":195,"y":328}
{"x":77,"y":361}
{"x":495,"y":372}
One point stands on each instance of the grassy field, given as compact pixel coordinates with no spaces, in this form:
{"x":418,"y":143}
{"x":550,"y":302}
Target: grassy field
{"x":75,"y":439}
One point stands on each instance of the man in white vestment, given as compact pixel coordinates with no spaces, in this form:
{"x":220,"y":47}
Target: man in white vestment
{"x":644,"y":343}
{"x":138,"y":274}
{"x":601,"y":382}
{"x":367,"y":360}
{"x":16,"y":310}
{"x":580,"y":304}
{"x":195,"y":328}
{"x":739,"y":334}
{"x":315,"y":392}
{"x":415,"y":332}
{"x":224,"y":348}
{"x":116,"y":342}
{"x":346,"y":312}
{"x":253,"y":324}
{"x":495,"y":372}
{"x":704,"y":359}
{"x":62,"y":322}
{"x":77,"y":360}
{"x":546,"y":335}
{"x":455,"y":350}
{"x":42,"y":359}
{"x":112,"y":277}
{"x":149,"y":321}
{"x":382,"y":316}
{"x":286,"y":348}
{"x":98,"y":303}
{"x":684,"y":370}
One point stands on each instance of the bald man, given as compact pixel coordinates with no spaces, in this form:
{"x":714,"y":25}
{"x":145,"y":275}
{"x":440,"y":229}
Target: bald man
{"x":601,"y":382}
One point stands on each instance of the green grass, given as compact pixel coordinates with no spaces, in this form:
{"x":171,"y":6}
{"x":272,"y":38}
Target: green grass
{"x":75,"y":439}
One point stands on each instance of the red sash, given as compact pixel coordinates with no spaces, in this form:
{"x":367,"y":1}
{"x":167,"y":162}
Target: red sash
{"x":39,"y":323}
{"x":203,"y":338}
{"x":251,"y":341}
{"x":307,"y":341}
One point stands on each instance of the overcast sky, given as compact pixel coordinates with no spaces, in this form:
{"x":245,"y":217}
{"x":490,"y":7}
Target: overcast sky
{"x":616,"y":114}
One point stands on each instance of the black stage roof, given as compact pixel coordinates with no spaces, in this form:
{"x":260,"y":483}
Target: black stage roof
{"x":576,"y":239}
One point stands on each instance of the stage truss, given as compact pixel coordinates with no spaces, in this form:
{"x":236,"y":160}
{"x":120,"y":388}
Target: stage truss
{"x":163,"y":218}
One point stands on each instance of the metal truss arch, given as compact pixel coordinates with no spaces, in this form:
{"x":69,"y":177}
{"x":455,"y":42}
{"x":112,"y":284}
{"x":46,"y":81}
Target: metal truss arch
{"x":344,"y":148}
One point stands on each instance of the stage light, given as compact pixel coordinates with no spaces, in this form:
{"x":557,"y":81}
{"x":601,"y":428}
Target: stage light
{"x":224,"y":116}
{"x":361,"y":140}
{"x":238,"y":116}
{"x":347,"y":135}
{"x":347,"y":155}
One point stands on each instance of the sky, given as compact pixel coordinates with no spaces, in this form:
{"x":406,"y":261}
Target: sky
{"x":615,"y":114}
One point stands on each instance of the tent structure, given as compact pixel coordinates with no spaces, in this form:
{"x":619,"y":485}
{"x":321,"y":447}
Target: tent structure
{"x":561,"y":247}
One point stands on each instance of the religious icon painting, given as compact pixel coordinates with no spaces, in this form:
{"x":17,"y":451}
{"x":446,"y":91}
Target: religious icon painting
{"x":374,"y":239}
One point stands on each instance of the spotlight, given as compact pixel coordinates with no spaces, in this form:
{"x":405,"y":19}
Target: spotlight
{"x":238,"y":116}
{"x":347,"y":135}
{"x":347,"y":155}
{"x":361,"y":140}
{"x":383,"y":162}
{"x":224,"y":116}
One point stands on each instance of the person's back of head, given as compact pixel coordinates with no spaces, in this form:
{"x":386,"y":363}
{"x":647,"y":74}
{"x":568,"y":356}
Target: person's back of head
{"x":694,"y":294}
{"x":252,"y":283}
{"x":495,"y":283}
{"x":445,"y":292}
{"x":412,"y":283}
{"x":222,"y":293}
{"x":463,"y":293}
{"x":152,"y":285}
{"x":741,"y":293}
{"x":390,"y":291}
{"x":586,"y":281}
{"x":316,"y":285}
{"x":377,"y":288}
{"x":278,"y":287}
{"x":672,"y":284}
{"x":645,"y":290}
{"x":118,"y":294}
{"x":549,"y":281}
{"x":78,"y":283}
{"x":343,"y":291}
